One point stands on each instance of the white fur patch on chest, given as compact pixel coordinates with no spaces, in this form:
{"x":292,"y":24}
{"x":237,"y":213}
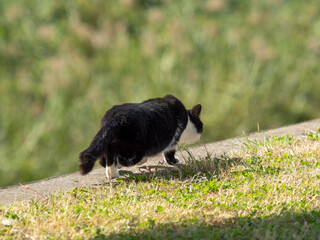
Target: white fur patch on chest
{"x":190,"y":133}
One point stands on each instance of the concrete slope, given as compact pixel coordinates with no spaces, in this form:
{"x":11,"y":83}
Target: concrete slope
{"x":67,"y":182}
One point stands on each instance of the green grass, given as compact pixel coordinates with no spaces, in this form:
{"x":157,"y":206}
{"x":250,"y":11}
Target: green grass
{"x":64,"y":63}
{"x":269,"y":190}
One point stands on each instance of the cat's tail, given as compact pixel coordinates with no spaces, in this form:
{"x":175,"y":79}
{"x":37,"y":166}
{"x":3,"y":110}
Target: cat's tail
{"x":97,"y":147}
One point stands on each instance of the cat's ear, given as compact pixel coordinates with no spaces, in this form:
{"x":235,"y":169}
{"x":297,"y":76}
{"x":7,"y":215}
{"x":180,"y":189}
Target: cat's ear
{"x":196,"y":110}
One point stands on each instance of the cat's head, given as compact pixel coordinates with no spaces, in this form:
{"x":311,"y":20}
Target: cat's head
{"x":194,"y":128}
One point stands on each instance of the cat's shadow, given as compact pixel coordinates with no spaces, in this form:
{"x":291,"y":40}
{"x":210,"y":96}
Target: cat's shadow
{"x":209,"y":167}
{"x":148,"y":173}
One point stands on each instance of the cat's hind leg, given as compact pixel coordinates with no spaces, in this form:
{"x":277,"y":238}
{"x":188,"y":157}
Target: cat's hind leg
{"x":111,"y":164}
{"x":103,"y":160}
{"x":112,"y":172}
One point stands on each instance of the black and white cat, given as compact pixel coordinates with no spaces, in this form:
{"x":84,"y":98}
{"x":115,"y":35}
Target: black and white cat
{"x":132,"y":132}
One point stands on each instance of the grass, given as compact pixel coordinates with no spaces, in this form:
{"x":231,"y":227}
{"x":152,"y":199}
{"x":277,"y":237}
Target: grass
{"x":64,"y":63}
{"x":265,"y":190}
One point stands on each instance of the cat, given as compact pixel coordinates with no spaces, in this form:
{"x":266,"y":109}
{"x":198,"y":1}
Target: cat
{"x":132,"y":132}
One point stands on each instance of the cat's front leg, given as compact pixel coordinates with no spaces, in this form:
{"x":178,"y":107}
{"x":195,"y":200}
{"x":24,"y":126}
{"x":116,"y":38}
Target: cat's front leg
{"x":170,"y":158}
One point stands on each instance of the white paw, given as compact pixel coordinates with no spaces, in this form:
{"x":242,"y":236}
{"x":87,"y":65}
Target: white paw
{"x":112,"y":172}
{"x":177,"y":159}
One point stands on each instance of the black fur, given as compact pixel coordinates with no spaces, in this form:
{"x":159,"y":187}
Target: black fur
{"x":194,"y":115}
{"x":131,"y":131}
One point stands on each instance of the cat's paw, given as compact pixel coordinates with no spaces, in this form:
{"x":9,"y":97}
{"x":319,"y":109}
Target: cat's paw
{"x":171,"y":161}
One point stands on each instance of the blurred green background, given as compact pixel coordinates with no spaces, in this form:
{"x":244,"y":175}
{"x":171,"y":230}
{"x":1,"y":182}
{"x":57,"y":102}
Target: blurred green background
{"x":64,"y":63}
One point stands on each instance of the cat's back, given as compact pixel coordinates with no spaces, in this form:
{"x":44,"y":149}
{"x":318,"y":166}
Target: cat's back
{"x":123,"y":110}
{"x":168,"y":103}
{"x":167,"y":106}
